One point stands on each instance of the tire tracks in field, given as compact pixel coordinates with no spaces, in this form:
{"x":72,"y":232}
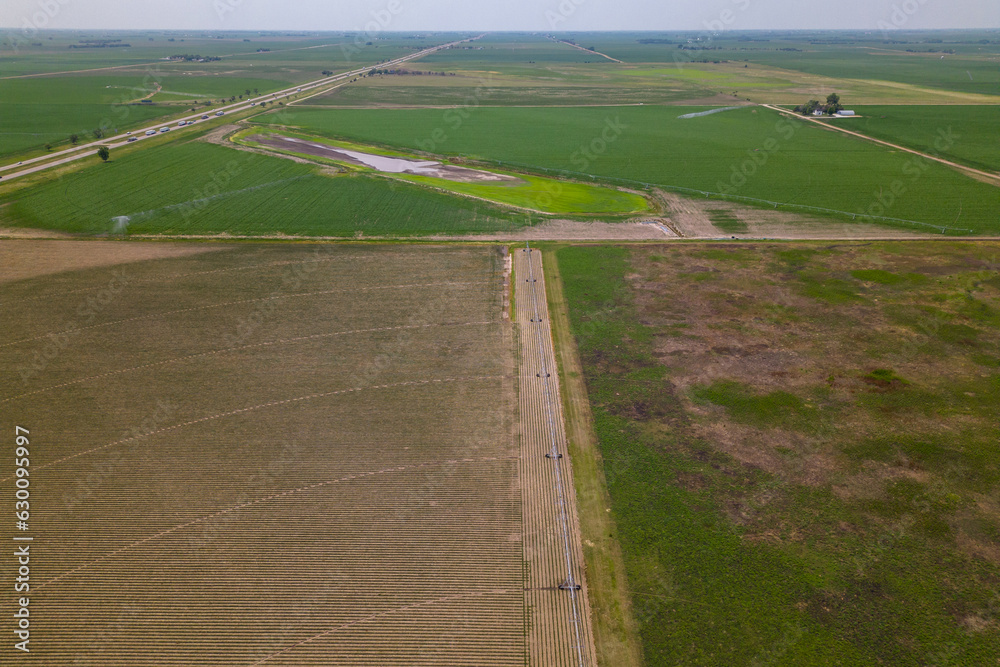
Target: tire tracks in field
{"x":280,"y":341}
{"x":266,"y":499}
{"x":235,"y":303}
{"x":372,"y":617}
{"x":252,"y":408}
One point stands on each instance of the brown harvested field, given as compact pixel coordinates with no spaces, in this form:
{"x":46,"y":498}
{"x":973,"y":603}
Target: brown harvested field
{"x":268,"y":455}
{"x":30,"y":259}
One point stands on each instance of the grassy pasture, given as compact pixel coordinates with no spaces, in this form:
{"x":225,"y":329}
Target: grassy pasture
{"x":800,"y":444}
{"x":787,"y":161}
{"x":343,"y":502}
{"x":201,"y":188}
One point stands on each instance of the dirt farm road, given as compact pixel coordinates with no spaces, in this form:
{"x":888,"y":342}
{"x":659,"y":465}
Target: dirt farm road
{"x":994,"y":178}
{"x":555,"y":591}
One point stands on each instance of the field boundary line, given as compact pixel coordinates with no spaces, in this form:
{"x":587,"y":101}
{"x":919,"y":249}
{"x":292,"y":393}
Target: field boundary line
{"x":252,"y":408}
{"x":235,"y":303}
{"x":258,"y":501}
{"x":237,"y":348}
{"x":956,"y":165}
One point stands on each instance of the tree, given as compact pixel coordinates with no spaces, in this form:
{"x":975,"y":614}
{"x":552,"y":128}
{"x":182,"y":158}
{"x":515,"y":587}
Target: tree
{"x":98,"y":133}
{"x":808,"y":108}
{"x":48,"y":147}
{"x":104,"y":153}
{"x":833,"y":100}
{"x":73,"y":139}
{"x":256,"y":92}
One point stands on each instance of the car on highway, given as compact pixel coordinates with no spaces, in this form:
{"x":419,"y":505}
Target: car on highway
{"x":164,"y":129}
{"x":205,"y":117}
{"x":150,"y":133}
{"x":182,"y":123}
{"x":220,"y":113}
{"x":131,"y":139}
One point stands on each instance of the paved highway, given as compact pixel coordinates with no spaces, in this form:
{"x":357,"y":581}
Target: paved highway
{"x":50,"y":160}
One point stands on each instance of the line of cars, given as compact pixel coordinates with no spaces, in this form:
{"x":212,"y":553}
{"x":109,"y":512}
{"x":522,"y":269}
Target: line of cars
{"x":183,"y":123}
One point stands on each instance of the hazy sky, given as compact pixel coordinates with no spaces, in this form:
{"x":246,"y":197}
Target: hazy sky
{"x":717,"y":15}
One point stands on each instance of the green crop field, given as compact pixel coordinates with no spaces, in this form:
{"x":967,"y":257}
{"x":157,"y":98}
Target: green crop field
{"x":749,"y":152}
{"x":43,"y":101}
{"x":34,"y":112}
{"x":800,"y":443}
{"x":961,"y":61}
{"x":955,"y":132}
{"x":200,"y":188}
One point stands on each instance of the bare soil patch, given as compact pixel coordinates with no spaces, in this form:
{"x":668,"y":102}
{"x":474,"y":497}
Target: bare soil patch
{"x":693,"y":218}
{"x":24,"y":258}
{"x":385,"y":163}
{"x":574,"y":230}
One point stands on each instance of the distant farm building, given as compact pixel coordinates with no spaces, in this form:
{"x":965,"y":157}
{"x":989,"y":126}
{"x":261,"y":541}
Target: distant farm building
{"x":845,"y":112}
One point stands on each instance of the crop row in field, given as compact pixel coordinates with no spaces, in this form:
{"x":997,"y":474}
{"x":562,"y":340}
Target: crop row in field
{"x":340,"y":508}
{"x":201,"y":188}
{"x":799,"y":443}
{"x":960,"y":133}
{"x":749,"y":152}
